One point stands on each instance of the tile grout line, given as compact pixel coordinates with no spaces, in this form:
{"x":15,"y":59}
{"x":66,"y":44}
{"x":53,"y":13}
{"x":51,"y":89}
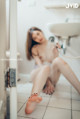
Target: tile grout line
{"x":26,"y":117}
{"x":62,"y":98}
{"x":46,"y":107}
{"x":30,"y":117}
{"x":20,"y":108}
{"x":76,"y":110}
{"x":59,"y":108}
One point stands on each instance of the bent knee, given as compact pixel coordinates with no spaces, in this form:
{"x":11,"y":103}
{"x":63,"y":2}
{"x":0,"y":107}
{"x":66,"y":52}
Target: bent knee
{"x":58,"y":61}
{"x":46,"y":68}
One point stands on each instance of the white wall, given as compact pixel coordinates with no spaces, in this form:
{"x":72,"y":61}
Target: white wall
{"x":39,"y":16}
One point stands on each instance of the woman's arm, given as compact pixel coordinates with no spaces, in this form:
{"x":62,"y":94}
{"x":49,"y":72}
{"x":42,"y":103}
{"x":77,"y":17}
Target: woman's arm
{"x":36,"y":56}
{"x":38,"y":61}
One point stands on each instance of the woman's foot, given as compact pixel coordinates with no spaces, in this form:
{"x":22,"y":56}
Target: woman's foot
{"x":31,"y":103}
{"x":49,"y":88}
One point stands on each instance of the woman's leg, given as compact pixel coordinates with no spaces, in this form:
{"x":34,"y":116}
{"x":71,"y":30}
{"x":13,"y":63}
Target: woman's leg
{"x":40,"y":76}
{"x":55,"y":73}
{"x":40,"y":79}
{"x":34,"y":73}
{"x":61,"y":66}
{"x":49,"y":87}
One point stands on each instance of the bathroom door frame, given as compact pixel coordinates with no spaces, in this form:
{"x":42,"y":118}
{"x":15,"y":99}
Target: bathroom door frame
{"x":2,"y":57}
{"x":13,"y":55}
{"x":13,"y":52}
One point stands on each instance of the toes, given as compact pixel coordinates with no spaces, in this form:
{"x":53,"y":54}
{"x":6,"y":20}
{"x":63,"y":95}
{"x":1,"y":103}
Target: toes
{"x":40,"y":98}
{"x":37,"y":101}
{"x":44,"y":90}
{"x":51,"y":91}
{"x":48,"y":90}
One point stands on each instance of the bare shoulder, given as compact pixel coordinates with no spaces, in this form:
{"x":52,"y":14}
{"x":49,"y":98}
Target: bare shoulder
{"x":34,"y":50}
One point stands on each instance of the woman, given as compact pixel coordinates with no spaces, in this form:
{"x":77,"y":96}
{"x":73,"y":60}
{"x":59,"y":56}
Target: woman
{"x":48,"y":69}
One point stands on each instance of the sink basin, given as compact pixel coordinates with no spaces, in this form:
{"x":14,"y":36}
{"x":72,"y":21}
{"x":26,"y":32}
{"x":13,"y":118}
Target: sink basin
{"x":64,"y":29}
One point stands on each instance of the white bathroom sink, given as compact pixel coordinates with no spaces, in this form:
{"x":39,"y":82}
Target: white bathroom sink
{"x":64,"y":29}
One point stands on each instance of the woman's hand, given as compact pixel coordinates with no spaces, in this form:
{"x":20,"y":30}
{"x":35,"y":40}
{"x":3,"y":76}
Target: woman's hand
{"x":55,"y":51}
{"x":58,"y":45}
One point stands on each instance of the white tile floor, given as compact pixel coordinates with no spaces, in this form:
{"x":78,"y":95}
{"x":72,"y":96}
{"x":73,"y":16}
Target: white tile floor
{"x":64,"y":103}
